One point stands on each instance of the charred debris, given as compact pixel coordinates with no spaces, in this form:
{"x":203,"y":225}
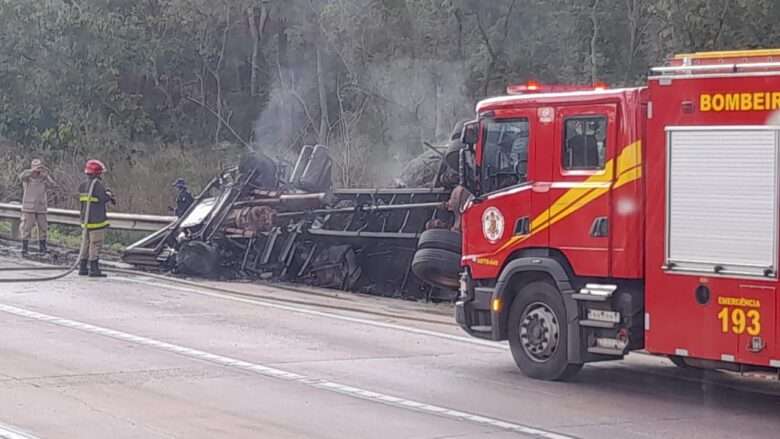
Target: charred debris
{"x":255,"y":222}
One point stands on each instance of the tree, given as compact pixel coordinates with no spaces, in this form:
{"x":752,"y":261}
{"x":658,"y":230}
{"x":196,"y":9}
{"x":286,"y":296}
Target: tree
{"x":371,"y":78}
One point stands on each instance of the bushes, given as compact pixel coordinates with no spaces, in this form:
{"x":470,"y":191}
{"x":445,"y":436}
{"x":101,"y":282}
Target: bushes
{"x":70,"y":237}
{"x":140,"y":175}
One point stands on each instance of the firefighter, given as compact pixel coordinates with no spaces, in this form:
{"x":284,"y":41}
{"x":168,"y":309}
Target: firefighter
{"x":93,"y":196}
{"x":35,"y":183}
{"x":184,"y":198}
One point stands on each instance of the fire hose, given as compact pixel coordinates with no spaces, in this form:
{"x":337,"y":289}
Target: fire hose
{"x":72,"y":268}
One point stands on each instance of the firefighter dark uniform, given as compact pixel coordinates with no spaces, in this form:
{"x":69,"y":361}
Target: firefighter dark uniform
{"x":96,"y":222}
{"x":184,"y":198}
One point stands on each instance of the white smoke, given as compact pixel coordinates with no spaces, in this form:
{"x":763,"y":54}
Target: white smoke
{"x":388,"y":112}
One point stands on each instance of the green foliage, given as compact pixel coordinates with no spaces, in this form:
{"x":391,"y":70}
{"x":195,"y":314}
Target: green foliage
{"x":373,"y":78}
{"x":69,"y":237}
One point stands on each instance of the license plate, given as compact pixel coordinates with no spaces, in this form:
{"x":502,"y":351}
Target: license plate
{"x":604,"y":316}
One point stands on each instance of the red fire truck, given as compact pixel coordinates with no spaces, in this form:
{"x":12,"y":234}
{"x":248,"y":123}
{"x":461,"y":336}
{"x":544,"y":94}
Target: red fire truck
{"x":610,"y":220}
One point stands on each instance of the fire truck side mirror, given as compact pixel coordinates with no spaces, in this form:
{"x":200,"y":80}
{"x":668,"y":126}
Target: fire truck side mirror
{"x":470,"y":133}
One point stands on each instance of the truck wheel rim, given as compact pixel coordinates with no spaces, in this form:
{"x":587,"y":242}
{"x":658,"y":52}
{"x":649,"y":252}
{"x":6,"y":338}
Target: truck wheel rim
{"x":539,"y":332}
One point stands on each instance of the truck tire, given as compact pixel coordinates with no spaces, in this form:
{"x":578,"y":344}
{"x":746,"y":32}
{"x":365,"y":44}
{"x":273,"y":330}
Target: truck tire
{"x":197,"y":258}
{"x":437,"y":267}
{"x":537,"y":332}
{"x":441,"y":239}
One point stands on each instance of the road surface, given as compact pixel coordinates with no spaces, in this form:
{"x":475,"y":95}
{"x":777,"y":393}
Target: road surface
{"x":134,"y":357}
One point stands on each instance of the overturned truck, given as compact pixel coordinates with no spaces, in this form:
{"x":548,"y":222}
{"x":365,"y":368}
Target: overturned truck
{"x":254,"y":222}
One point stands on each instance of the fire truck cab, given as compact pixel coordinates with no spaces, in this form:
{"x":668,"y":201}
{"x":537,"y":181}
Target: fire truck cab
{"x":610,"y":220}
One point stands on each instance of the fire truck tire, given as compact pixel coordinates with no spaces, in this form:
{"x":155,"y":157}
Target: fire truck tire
{"x":537,"y":333}
{"x":437,"y":267}
{"x":441,"y":239}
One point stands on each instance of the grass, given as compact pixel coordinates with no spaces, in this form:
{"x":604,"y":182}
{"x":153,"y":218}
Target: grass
{"x":60,"y":235}
{"x":70,"y":237}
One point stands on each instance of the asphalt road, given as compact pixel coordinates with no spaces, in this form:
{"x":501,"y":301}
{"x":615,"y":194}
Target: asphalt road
{"x":133,"y":357}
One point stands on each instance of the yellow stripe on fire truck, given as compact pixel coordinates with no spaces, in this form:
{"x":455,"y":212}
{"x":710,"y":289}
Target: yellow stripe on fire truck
{"x":628,"y":169}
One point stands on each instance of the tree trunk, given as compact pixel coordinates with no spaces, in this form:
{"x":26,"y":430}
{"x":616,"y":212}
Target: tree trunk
{"x":633,"y":10}
{"x":217,"y":73}
{"x":721,"y":23}
{"x":287,"y":122}
{"x":256,"y":29}
{"x":492,"y":62}
{"x":324,"y":120}
{"x":439,"y":131}
{"x":594,"y":67}
{"x":255,"y":50}
{"x":459,"y":20}
{"x":218,"y":131}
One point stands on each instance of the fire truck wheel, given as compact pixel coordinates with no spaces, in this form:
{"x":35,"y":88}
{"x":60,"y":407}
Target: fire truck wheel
{"x":537,"y":333}
{"x":441,"y":239}
{"x":437,"y":267}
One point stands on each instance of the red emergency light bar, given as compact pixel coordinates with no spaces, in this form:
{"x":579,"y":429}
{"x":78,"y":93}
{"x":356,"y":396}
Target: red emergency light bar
{"x":535,"y":87}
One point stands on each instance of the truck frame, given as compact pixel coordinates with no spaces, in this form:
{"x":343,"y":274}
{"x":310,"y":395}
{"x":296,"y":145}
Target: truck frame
{"x":244,"y":225}
{"x":606,"y":221}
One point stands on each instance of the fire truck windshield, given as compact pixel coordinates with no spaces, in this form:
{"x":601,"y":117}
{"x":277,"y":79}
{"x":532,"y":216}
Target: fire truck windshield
{"x":505,"y":153}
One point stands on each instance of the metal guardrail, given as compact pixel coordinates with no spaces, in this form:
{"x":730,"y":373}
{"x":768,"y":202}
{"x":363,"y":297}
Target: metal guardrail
{"x":119,"y":221}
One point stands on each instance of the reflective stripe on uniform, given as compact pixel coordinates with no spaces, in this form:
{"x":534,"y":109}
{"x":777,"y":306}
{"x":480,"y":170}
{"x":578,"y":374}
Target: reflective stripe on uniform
{"x":95,"y":225}
{"x":86,"y":198}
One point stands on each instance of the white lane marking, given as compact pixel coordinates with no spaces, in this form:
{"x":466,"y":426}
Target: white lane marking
{"x":384,"y":325}
{"x":273,"y":372}
{"x":7,"y":432}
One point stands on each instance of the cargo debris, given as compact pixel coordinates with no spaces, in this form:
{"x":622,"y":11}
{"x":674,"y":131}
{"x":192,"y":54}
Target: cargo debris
{"x":254,"y":222}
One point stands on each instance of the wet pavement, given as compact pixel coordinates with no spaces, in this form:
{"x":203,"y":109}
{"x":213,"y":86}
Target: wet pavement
{"x":138,"y":357}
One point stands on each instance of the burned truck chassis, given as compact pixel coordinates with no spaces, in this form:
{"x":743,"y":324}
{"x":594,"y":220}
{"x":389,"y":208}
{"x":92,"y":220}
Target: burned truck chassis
{"x":360,"y":240}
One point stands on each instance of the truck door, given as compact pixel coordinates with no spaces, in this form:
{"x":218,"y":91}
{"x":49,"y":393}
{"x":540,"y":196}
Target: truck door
{"x":583,"y":172}
{"x":500,"y":219}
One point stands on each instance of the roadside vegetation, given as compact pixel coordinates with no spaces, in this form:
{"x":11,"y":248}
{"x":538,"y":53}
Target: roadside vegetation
{"x":70,"y":237}
{"x":160,"y":89}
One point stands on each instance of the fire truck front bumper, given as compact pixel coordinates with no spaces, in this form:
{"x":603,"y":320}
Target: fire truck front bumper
{"x":472,"y":310}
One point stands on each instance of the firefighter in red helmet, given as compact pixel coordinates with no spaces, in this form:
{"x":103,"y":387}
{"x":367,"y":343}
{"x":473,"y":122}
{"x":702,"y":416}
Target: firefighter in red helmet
{"x":93,"y":196}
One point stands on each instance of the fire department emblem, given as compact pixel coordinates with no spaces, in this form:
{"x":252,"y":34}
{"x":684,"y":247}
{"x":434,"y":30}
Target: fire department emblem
{"x":492,"y":224}
{"x":546,"y":114}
